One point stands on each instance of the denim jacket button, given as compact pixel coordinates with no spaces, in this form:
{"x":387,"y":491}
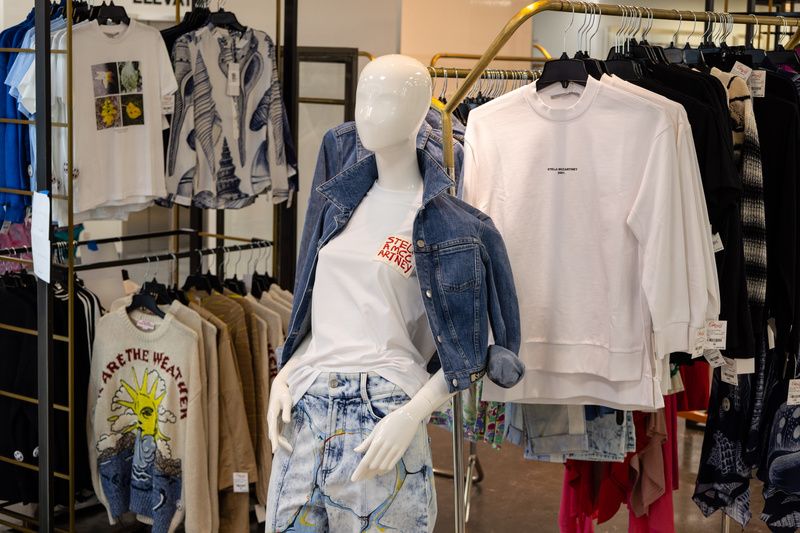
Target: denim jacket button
{"x":439,"y":339}
{"x":428,"y":293}
{"x":455,"y":382}
{"x":420,"y":244}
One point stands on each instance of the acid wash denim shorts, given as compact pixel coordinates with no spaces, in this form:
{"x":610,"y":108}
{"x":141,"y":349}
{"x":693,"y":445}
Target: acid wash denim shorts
{"x":310,"y":488}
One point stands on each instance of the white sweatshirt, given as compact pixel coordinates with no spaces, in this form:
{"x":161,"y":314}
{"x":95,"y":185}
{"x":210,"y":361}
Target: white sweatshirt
{"x":584,"y":187}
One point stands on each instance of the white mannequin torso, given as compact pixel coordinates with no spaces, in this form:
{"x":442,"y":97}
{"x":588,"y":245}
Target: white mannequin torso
{"x":392,"y":100}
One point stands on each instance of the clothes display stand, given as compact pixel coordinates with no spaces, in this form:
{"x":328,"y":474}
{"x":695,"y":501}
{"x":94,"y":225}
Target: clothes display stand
{"x":475,"y":75}
{"x":45,"y":520}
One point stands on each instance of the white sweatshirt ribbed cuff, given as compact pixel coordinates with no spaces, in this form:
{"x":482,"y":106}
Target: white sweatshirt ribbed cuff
{"x":673,"y":338}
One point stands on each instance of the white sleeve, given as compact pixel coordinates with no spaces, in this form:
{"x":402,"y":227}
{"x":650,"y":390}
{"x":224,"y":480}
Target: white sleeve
{"x":697,"y":236}
{"x":480,"y":187}
{"x":656,"y":220}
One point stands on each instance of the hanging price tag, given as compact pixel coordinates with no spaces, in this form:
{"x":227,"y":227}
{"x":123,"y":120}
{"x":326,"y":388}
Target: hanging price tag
{"x":716,"y":333}
{"x":771,"y":333}
{"x":745,"y":366}
{"x":728,"y":372}
{"x":6,"y":227}
{"x":241,"y":482}
{"x":699,"y":343}
{"x":716,"y":241}
{"x":233,"y":79}
{"x":758,"y":83}
{"x":168,"y":104}
{"x":714,"y":358}
{"x":794,"y":392}
{"x":741,"y":70}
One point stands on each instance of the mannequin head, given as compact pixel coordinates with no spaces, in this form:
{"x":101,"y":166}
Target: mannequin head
{"x":393,"y":97}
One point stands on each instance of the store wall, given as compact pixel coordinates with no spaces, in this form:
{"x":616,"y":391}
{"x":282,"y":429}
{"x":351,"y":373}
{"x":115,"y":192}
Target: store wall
{"x":459,"y":26}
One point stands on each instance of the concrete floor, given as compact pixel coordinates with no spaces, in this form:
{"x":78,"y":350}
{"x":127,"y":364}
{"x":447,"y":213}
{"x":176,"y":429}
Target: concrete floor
{"x":519,"y":495}
{"x":516,"y":491}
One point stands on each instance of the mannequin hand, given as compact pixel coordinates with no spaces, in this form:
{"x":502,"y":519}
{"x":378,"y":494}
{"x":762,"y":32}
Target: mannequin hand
{"x":386,"y":444}
{"x":279,"y":413}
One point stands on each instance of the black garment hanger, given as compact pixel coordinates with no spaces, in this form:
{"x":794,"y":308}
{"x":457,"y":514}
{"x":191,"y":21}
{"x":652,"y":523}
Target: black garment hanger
{"x":157,"y":290}
{"x":112,"y":13}
{"x":145,"y":301}
{"x":564,"y":71}
{"x":226,"y":19}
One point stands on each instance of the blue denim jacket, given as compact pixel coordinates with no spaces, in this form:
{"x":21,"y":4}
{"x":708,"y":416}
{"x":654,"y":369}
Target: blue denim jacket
{"x":462,"y":264}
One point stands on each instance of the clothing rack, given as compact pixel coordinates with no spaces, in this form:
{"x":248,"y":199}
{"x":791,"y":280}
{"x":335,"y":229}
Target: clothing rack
{"x":527,"y":12}
{"x":516,"y":59}
{"x":45,"y":520}
{"x":256,"y":243}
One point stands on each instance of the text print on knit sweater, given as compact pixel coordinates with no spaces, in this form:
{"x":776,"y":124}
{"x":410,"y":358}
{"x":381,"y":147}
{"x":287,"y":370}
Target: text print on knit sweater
{"x":159,"y":361}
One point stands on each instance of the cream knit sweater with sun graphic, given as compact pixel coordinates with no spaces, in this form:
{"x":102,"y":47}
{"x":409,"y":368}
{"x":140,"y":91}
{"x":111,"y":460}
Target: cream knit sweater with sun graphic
{"x":146,"y":429}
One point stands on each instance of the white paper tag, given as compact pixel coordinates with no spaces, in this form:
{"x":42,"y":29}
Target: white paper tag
{"x":398,"y":253}
{"x":745,"y":366}
{"x":233,"y":79}
{"x":261,"y":513}
{"x":716,"y":241}
{"x":728,"y":372}
{"x":771,"y":333}
{"x":699,"y":343}
{"x":716,"y":334}
{"x":6,"y":227}
{"x":794,"y":392}
{"x":741,"y":70}
{"x":714,"y":358}
{"x":40,"y":236}
{"x":241,"y":482}
{"x":145,"y":325}
{"x":168,"y":104}
{"x":758,"y":83}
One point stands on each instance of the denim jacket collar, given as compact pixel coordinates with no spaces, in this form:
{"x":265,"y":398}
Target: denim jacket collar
{"x":346,"y":189}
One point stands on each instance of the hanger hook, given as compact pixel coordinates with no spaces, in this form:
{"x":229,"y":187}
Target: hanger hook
{"x":758,"y":27}
{"x":571,"y":20}
{"x":597,"y":16}
{"x":707,"y":32}
{"x":680,"y":23}
{"x":649,"y":23}
{"x":579,"y":33}
{"x":147,"y":270}
{"x":694,"y":27}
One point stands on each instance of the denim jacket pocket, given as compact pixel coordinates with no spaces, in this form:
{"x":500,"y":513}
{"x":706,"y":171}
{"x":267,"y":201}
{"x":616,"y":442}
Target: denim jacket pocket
{"x":457,"y":265}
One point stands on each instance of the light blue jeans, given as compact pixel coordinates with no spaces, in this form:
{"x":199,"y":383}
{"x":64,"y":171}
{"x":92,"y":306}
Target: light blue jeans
{"x":310,"y":488}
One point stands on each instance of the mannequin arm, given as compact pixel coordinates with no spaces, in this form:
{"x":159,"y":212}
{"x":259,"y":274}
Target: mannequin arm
{"x":279,"y":411}
{"x":391,"y":437}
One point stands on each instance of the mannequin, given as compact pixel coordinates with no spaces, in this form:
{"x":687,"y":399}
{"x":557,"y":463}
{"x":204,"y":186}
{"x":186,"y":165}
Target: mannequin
{"x":392,"y":99}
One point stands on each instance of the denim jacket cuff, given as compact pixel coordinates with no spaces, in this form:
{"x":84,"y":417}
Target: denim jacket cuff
{"x":504,"y":367}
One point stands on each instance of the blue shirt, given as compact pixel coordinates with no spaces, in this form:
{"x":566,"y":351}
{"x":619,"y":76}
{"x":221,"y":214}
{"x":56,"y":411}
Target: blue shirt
{"x":17,"y":71}
{"x":11,"y":176}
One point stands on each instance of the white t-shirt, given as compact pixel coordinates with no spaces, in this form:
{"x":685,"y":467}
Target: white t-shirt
{"x":582,"y":184}
{"x":367,"y":313}
{"x":121,"y":75}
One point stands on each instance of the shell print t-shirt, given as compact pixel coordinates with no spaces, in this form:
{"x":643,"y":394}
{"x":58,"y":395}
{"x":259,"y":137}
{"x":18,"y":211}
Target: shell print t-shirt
{"x":122,"y":75}
{"x":367,"y":313}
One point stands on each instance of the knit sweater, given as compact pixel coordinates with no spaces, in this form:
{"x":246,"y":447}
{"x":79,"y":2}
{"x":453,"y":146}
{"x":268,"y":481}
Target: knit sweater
{"x":146,"y":426}
{"x":748,"y":157}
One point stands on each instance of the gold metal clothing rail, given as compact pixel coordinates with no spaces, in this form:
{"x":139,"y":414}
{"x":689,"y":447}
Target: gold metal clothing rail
{"x":517,"y":59}
{"x":493,"y":73}
{"x":603,"y":10}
